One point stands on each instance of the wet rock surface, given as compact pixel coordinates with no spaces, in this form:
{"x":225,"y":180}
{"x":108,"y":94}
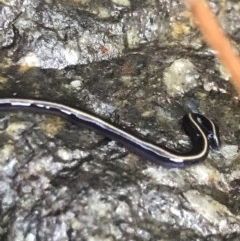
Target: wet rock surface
{"x":119,"y":60}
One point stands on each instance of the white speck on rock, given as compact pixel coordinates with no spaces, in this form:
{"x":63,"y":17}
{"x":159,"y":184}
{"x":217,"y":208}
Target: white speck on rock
{"x":76,"y":84}
{"x":230,"y":152}
{"x":180,"y":77}
{"x":31,"y":60}
{"x":208,"y":86}
{"x":78,"y":154}
{"x":30,"y":237}
{"x":71,"y":55}
{"x":64,"y":154}
{"x":125,"y":3}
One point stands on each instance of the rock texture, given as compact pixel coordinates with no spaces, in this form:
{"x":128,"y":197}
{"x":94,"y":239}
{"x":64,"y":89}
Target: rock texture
{"x":139,"y":64}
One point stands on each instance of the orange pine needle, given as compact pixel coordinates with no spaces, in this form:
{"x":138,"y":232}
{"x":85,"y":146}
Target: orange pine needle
{"x":216,"y":38}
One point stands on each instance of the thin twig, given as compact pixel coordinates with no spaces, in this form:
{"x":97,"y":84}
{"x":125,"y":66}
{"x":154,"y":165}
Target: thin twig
{"x":215,"y":37}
